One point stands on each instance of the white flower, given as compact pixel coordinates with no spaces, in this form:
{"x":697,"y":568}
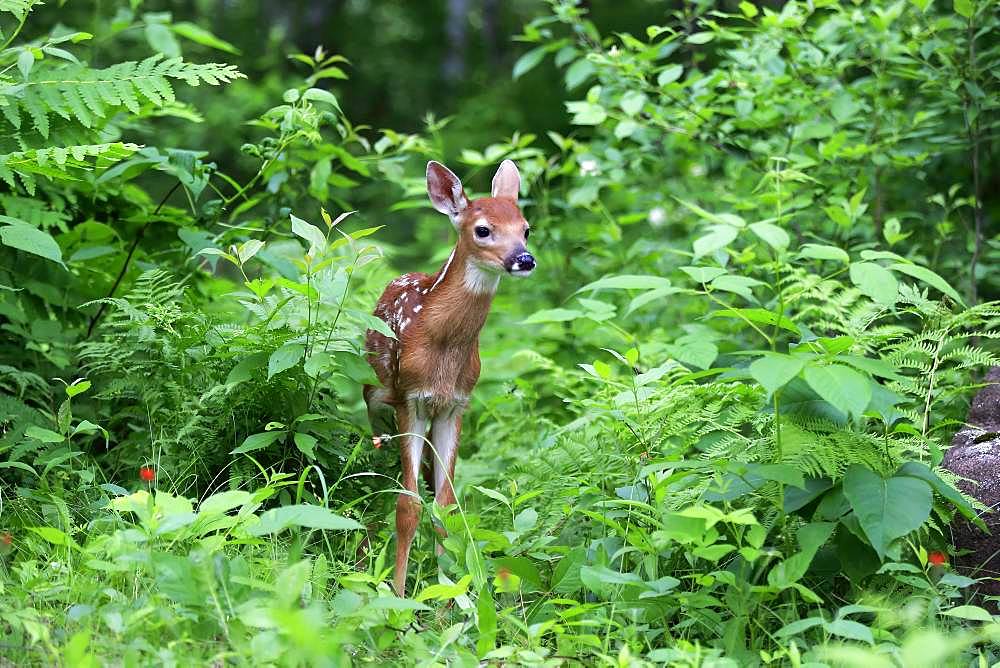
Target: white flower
{"x":588,"y":167}
{"x":657,"y":216}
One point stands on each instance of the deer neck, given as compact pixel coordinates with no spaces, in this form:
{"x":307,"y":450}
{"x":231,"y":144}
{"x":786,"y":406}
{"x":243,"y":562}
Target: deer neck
{"x":459,"y":300}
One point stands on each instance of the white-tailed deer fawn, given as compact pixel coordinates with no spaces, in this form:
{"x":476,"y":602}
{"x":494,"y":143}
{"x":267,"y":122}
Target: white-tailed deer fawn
{"x":428,"y":371}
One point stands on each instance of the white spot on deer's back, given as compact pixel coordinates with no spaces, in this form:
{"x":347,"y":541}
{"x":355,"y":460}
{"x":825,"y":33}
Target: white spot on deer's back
{"x":416,"y":309}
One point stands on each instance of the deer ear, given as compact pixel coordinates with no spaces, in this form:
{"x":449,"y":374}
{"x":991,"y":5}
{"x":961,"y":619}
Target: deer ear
{"x":507,"y":181}
{"x":445,"y":190}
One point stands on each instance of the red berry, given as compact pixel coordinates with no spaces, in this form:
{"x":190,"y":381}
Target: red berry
{"x":147,"y":473}
{"x":937,"y":558}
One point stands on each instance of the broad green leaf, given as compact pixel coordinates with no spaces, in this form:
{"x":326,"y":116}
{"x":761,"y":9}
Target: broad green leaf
{"x":694,"y":351}
{"x":965,"y":8}
{"x":303,"y":515}
{"x":578,"y":72}
{"x":758,"y":316}
{"x":886,"y":509}
{"x":798,"y":626}
{"x":552,"y":315}
{"x":875,"y":367}
{"x":529,"y":61}
{"x":649,"y":297}
{"x":77,"y":388}
{"x":772,"y":235}
{"x":843,"y":387}
{"x":700,"y":38}
{"x":719,"y":237}
{"x":946,"y":490}
{"x":306,"y":443}
{"x":627,"y":282}
{"x":44,"y":435}
{"x":821,"y":252}
{"x":55,"y":536}
{"x":444,"y":592}
{"x":326,"y":97}
{"x":258,"y":441}
{"x":493,"y":494}
{"x":928,"y":277}
{"x":162,"y":40}
{"x":736,"y":284}
{"x":199,"y":35}
{"x":811,"y":537}
{"x":284,"y":358}
{"x":875,"y":281}
{"x":27,"y":238}
{"x":486,"y":622}
{"x":669,"y":74}
{"x":223,"y":502}
{"x":248,"y":249}
{"x":632,"y":102}
{"x":703,"y":274}
{"x":309,"y":232}
{"x":525,"y":520}
{"x":775,"y":370}
{"x":600,"y":579}
{"x":848,"y":628}
{"x":973,"y":612}
{"x":587,"y":113}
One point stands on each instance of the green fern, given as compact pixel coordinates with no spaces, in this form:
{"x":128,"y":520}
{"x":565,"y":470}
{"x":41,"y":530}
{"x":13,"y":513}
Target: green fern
{"x":60,"y":163}
{"x":91,"y":96}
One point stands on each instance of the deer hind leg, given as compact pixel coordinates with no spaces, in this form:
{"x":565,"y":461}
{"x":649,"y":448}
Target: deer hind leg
{"x":412,"y":420}
{"x":445,"y":432}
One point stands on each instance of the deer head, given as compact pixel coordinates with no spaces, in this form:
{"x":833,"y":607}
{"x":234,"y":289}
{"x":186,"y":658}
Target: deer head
{"x":492,"y":233}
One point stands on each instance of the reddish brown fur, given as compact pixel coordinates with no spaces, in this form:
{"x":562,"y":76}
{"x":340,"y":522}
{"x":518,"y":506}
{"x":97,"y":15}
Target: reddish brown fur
{"x":438,"y":350}
{"x":429,"y":370}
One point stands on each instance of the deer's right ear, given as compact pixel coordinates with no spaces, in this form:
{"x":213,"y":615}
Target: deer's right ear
{"x":445,"y":191}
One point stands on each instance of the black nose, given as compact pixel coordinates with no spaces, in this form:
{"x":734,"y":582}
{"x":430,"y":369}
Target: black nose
{"x":524,"y":262}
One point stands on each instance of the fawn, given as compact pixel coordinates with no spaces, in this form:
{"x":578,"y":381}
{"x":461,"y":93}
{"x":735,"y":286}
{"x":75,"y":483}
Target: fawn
{"x":428,"y":371}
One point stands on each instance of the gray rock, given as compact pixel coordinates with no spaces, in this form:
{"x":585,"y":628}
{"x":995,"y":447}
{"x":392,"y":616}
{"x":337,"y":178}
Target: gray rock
{"x":975,"y":456}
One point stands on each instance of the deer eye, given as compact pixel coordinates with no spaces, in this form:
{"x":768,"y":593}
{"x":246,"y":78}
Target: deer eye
{"x":482,"y":231}
{"x":526,"y":233}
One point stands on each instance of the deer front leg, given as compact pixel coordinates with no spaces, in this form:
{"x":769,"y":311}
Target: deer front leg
{"x":412,"y":421}
{"x":445,"y":431}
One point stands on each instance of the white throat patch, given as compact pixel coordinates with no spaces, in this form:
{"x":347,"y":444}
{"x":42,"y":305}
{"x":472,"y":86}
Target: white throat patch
{"x":479,"y":280}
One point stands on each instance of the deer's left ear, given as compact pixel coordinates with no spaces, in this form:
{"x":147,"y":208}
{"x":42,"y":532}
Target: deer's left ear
{"x":507,"y":181}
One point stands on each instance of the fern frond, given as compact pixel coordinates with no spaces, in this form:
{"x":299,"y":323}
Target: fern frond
{"x":60,"y":162}
{"x":91,"y":96}
{"x":37,"y":213}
